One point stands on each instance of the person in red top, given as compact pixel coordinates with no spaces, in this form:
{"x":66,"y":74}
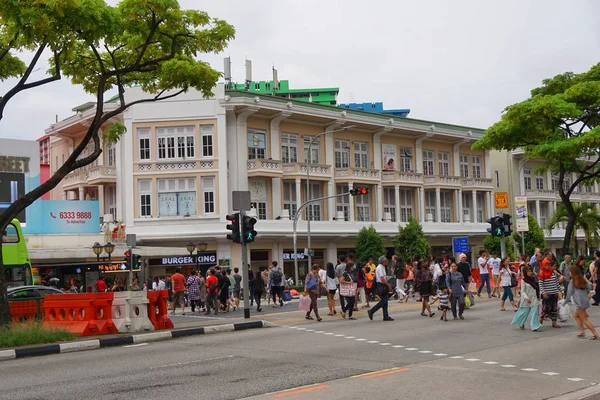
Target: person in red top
{"x":178,"y":283}
{"x":100,"y":286}
{"x":212,"y":296}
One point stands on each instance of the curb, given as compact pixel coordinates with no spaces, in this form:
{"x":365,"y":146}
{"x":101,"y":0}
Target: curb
{"x":83,"y":345}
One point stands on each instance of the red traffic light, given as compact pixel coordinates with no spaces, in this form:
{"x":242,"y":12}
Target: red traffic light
{"x":127,"y":254}
{"x":232,"y":218}
{"x":361,"y":191}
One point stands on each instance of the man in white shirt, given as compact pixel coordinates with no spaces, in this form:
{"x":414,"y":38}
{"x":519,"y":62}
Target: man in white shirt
{"x":322,"y":276}
{"x":482,"y":262}
{"x":494,"y":264}
{"x":383,"y":290}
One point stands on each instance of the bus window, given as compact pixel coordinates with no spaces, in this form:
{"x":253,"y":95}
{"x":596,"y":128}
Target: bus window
{"x":10,"y":235}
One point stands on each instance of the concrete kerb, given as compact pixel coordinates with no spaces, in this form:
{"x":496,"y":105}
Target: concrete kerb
{"x":84,"y":345}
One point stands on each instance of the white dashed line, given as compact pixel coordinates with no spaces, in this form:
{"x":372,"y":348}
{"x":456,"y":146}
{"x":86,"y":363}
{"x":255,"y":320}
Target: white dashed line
{"x":550,"y":373}
{"x":490,"y":362}
{"x":385,"y":344}
{"x":398,"y":346}
{"x":508,"y":366}
{"x":329,"y":333}
{"x":319,"y":331}
{"x":310,"y":330}
{"x":373,"y":341}
{"x":575,"y":379}
{"x":361,"y":340}
{"x":440,"y":354}
{"x":411,"y":349}
{"x":136,"y":345}
{"x":339,"y":335}
{"x":426,"y":352}
{"x":301,"y":329}
{"x":529,"y":369}
{"x":457,"y":357}
{"x":350,"y":337}
{"x":472,"y":359}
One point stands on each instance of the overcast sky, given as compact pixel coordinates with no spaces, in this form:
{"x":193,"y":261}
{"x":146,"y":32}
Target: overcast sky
{"x":457,"y":62}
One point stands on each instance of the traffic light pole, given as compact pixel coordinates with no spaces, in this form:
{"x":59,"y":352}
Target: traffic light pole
{"x":296,"y":216}
{"x":502,"y":247}
{"x":245,"y":271}
{"x":130,"y":267}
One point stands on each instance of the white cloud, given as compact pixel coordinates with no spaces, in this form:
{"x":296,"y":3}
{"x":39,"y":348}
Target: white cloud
{"x":456,"y":62}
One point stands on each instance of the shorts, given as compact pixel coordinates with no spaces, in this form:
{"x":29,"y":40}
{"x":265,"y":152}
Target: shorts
{"x":332,"y":291}
{"x":178,"y":298}
{"x":236,"y":294}
{"x":444,"y":308}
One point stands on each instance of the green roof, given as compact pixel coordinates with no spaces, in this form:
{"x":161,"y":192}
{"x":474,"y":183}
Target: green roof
{"x":237,"y":93}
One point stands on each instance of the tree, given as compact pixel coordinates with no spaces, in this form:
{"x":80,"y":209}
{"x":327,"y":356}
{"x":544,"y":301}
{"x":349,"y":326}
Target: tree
{"x":411,"y":242}
{"x":559,"y":123}
{"x":369,"y":243}
{"x":534,"y":238}
{"x":587,"y":219}
{"x":492,"y":244}
{"x":153,"y":44}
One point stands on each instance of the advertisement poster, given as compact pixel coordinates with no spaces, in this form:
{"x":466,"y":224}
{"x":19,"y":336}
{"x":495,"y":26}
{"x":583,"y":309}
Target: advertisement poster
{"x":390,"y":157}
{"x":12,"y":186}
{"x":64,"y":217}
{"x":521,"y":214}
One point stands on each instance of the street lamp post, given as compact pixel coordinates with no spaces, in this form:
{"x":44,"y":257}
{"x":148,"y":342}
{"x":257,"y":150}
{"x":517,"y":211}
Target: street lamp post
{"x":308,"y":197}
{"x":200,"y":247}
{"x":109,"y":248}
{"x":97,"y":248}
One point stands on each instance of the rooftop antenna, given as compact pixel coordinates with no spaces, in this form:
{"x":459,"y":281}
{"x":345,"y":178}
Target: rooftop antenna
{"x":351,"y":97}
{"x":275,"y":80}
{"x":227,"y":72}
{"x":248,"y":73}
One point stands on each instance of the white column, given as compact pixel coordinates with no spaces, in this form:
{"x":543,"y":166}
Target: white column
{"x":101,"y":202}
{"x":489,"y":205}
{"x":241,"y":156}
{"x":81,"y":193}
{"x":276,"y":195}
{"x":456,"y":206}
{"x":438,"y":205}
{"x":65,"y":196}
{"x":351,"y":203}
{"x":474,"y":213}
{"x":222,"y":139}
{"x":331,"y":251}
{"x":521,"y":181}
{"x":397,"y":202}
{"x":537,"y":210}
{"x":421,"y":203}
{"x":331,"y":202}
{"x":126,"y":201}
{"x":460,"y":206}
{"x":379,"y":203}
{"x":275,"y":135}
{"x":277,"y":253}
{"x":298,"y":195}
{"x":487,"y":164}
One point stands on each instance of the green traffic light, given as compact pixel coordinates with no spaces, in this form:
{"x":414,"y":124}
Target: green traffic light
{"x":498,"y":231}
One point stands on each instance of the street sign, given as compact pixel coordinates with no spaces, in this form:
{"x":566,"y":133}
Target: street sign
{"x":240,"y":200}
{"x":522,"y":223}
{"x":130,"y":239}
{"x":460,"y":245}
{"x":501,"y":199}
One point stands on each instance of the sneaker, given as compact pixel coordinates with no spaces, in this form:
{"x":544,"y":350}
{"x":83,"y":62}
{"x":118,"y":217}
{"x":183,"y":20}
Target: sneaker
{"x":370,"y":314}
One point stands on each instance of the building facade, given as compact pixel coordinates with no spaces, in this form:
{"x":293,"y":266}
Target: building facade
{"x":376,"y":107}
{"x":174,"y":170}
{"x":325,"y":96}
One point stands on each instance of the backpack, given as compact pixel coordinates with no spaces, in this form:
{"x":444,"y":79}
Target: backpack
{"x":277,"y":277}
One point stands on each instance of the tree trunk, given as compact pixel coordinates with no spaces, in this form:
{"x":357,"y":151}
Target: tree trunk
{"x":569,"y":231}
{"x":5,"y":320}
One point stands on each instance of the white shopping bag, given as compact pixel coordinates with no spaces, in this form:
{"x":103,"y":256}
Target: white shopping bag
{"x":564,"y":311}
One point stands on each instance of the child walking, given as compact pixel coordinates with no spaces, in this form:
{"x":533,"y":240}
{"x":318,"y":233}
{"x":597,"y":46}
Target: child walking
{"x":443,"y":299}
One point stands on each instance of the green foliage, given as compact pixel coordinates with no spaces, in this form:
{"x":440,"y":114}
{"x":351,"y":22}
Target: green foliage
{"x":492,"y":244}
{"x":560,"y":124}
{"x":113,"y":133}
{"x":411,"y":242}
{"x":369,"y":243}
{"x":587,"y":219}
{"x":23,"y":334}
{"x":535,"y":238}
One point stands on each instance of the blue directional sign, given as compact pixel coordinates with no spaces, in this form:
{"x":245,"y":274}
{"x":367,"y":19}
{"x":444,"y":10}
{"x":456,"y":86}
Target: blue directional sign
{"x":460,"y":245}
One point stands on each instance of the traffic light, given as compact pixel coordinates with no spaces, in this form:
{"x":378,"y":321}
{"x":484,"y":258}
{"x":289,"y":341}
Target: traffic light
{"x":127,"y":255}
{"x":248,"y":232}
{"x":136,"y":265}
{"x":496,"y":228}
{"x":234,"y":227}
{"x":507,"y":224}
{"x":361,"y":191}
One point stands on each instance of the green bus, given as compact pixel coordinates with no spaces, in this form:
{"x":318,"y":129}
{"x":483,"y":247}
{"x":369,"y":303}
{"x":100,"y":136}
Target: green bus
{"x":15,"y":257}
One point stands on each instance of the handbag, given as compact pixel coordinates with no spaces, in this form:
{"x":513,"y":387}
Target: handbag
{"x":472,"y":287}
{"x":304,"y":303}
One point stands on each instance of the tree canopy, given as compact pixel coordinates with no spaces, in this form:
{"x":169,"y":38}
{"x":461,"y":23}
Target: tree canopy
{"x":587,"y":219}
{"x":559,"y":124}
{"x":411,"y":243}
{"x":369,"y":243}
{"x":153,"y":44}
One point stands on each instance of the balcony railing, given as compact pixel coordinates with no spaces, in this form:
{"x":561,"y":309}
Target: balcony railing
{"x":176,"y":165}
{"x":402,"y":177}
{"x":442,"y":180}
{"x":548,"y":194}
{"x":478,"y":182}
{"x":316,"y":170}
{"x":262,"y":167}
{"x":101,"y":173}
{"x":358,"y":173}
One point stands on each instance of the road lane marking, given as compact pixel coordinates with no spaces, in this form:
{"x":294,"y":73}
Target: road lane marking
{"x":383,"y":372}
{"x":192,"y":362}
{"x":328,"y":333}
{"x":398,"y":346}
{"x":301,"y":329}
{"x":373,"y":341}
{"x":350,"y":337}
{"x":361,"y":340}
{"x":529,"y":369}
{"x":550,"y":373}
{"x":411,"y":349}
{"x":575,"y":379}
{"x":508,"y":366}
{"x":385,"y":344}
{"x":426,"y":352}
{"x":310,"y":330}
{"x":472,"y":359}
{"x":137,"y":345}
{"x":457,"y":357}
{"x":319,"y":331}
{"x":298,"y":390}
{"x":490,"y":362}
{"x":339,"y":335}
{"x":440,"y":354}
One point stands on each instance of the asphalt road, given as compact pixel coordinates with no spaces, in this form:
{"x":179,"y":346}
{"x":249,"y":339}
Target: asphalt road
{"x":411,"y":358}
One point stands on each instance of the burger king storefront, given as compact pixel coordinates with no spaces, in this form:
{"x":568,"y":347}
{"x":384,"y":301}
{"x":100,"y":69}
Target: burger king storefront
{"x":163,"y":266}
